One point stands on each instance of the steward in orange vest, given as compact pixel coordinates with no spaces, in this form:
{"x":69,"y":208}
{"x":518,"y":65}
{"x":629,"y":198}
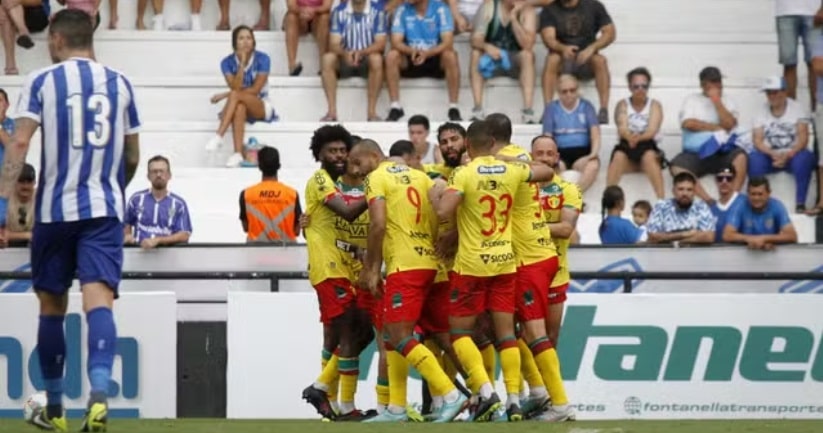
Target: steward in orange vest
{"x":270,"y":210}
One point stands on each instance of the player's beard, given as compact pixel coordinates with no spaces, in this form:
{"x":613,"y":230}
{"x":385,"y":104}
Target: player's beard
{"x":333,"y":170}
{"x":453,"y":162}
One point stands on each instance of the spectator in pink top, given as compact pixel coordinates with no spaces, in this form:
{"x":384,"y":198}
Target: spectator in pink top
{"x":91,"y":7}
{"x":304,"y":16}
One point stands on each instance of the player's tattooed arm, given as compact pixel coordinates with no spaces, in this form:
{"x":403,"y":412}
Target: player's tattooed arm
{"x":15,"y":157}
{"x":348,"y":211}
{"x":132,"y":153}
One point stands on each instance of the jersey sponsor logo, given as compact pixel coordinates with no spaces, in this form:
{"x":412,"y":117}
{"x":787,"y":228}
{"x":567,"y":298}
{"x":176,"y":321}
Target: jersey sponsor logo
{"x":419,"y":235}
{"x":495,"y":243}
{"x":491,"y":169}
{"x":538,"y":225}
{"x":497,"y":258}
{"x":488,"y":185}
{"x":423,"y":251}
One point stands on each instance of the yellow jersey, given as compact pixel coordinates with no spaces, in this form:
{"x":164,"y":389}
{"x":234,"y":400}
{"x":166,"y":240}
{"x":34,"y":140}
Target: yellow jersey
{"x":554,"y":197}
{"x":410,"y":219}
{"x":532,"y":240}
{"x":354,"y":233}
{"x":435,"y":171}
{"x":444,"y":266}
{"x":326,"y":260}
{"x":489,"y":187}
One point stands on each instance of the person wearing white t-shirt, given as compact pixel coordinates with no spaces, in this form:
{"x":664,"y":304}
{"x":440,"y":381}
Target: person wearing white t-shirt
{"x":795,"y":21}
{"x":781,"y":139}
{"x":709,"y":125}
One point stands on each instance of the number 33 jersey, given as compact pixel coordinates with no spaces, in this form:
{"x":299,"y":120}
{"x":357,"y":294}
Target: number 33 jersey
{"x":410,"y":220}
{"x":489,"y":188}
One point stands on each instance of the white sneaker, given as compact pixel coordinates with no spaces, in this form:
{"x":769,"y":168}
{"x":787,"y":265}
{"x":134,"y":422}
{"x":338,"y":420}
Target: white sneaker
{"x":234,"y":160}
{"x":196,"y":25}
{"x":158,"y":23}
{"x":478,"y":114}
{"x":214,"y":143}
{"x":558,"y":413}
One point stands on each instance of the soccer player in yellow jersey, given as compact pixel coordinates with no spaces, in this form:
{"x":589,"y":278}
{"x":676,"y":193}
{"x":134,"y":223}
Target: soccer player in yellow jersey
{"x":537,"y":264}
{"x":480,"y":197}
{"x":562,"y":202}
{"x":451,"y":139}
{"x":402,"y":231}
{"x":328,"y":273}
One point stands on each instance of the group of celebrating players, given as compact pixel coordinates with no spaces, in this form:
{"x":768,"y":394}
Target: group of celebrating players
{"x":475,"y":265}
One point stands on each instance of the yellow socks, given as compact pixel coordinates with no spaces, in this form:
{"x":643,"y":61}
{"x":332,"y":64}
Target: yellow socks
{"x":425,"y":362}
{"x":545,"y":356}
{"x":489,"y":354}
{"x":329,"y":373}
{"x":398,"y":375}
{"x":510,"y":364}
{"x":528,"y":367}
{"x":472,"y":362}
{"x":349,"y":369}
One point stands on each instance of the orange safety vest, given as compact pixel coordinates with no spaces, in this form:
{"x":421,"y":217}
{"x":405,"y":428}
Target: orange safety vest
{"x":270,"y":211}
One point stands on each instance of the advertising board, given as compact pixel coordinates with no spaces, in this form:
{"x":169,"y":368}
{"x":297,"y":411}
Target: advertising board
{"x":645,"y":356}
{"x":144,"y":379}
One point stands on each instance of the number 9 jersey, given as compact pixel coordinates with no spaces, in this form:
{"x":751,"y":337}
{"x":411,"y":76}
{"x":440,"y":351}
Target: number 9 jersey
{"x":488,"y":187}
{"x":410,"y":220}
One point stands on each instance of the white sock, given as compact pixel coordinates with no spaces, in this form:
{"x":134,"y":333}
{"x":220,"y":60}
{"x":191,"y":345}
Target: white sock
{"x":381,"y":408}
{"x":397,"y":410}
{"x":334,"y":406}
{"x":513,"y":399}
{"x":396,"y":104}
{"x":450,"y":397}
{"x":486,"y":390}
{"x":346,"y":407}
{"x":437,"y":402}
{"x":321,"y":386}
{"x":454,"y":105}
{"x":538,"y":392}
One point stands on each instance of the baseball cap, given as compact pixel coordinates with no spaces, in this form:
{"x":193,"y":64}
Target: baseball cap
{"x":27,"y":174}
{"x":774,"y":83}
{"x":711,"y":74}
{"x":727,"y":171}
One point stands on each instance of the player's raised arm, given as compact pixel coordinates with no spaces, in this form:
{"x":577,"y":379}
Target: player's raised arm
{"x":349,"y":210}
{"x":540,"y":172}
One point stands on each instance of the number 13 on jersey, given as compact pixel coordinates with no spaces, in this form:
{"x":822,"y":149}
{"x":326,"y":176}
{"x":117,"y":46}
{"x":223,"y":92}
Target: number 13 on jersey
{"x":89,"y":121}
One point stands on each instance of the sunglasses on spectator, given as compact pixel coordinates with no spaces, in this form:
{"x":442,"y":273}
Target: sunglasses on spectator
{"x":724,"y":178}
{"x":644,"y":86}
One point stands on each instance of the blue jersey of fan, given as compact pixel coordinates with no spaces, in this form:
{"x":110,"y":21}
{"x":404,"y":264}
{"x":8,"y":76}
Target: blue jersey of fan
{"x":357,"y":30}
{"x":570,"y":128}
{"x":260,"y":63}
{"x":423,"y":32}
{"x":85,"y":110}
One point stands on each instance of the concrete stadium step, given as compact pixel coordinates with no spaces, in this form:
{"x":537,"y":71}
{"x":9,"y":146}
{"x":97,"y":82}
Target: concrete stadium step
{"x":212,"y":195}
{"x":665,"y":53}
{"x":301,"y":99}
{"x":640,"y":16}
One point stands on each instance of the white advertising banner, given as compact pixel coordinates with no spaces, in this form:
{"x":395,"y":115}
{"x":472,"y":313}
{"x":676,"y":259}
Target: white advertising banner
{"x":144,"y":380}
{"x":642,"y":356}
{"x":195,"y":258}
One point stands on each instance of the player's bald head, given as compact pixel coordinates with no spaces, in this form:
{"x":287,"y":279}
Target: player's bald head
{"x":479,"y":138}
{"x":368,"y":146}
{"x":365,"y":156}
{"x":567,"y":79}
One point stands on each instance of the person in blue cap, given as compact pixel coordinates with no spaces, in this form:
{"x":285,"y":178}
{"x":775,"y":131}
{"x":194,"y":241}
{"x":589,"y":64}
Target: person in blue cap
{"x":503,"y":45}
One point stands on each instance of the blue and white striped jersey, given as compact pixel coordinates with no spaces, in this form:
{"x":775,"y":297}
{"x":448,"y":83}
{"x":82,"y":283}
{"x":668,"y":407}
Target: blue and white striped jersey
{"x":358,"y":29}
{"x":85,"y":110}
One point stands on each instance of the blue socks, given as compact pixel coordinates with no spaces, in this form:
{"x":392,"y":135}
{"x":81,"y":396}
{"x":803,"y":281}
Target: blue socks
{"x":51,"y":350}
{"x":102,"y":347}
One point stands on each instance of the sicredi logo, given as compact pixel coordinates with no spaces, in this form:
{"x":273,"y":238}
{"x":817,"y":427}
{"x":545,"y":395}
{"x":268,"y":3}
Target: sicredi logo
{"x":75,"y":375}
{"x":756,"y":353}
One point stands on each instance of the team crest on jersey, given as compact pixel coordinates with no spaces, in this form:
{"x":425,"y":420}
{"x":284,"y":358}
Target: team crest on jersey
{"x":491,"y":169}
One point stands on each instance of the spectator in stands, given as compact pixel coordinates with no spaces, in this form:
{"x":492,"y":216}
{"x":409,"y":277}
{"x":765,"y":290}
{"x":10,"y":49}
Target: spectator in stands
{"x":422,"y":45}
{"x":419,"y":130}
{"x":405,"y":150}
{"x":464,"y":12}
{"x":20,"y":216}
{"x":302,"y":17}
{"x":572,"y":122}
{"x":684,"y":218}
{"x":90,"y":7}
{"x":503,"y":45}
{"x":728,"y":198}
{"x":7,"y":125}
{"x":247,"y":74}
{"x":156,"y":216}
{"x":781,"y":140}
{"x":641,"y":209}
{"x":817,"y":68}
{"x":158,"y":22}
{"x":356,"y":45}
{"x":262,"y":24}
{"x":21,"y":18}
{"x":638,"y":119}
{"x":709,"y":125}
{"x":614,"y":229}
{"x":270,"y":210}
{"x":795,"y":20}
{"x":760,"y":221}
{"x":570,"y":30}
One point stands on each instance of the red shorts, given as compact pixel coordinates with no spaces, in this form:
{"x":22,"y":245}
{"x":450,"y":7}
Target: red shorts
{"x":435,"y":316}
{"x":533,"y":283}
{"x":368,"y":303}
{"x":557,"y":295}
{"x":335,"y":296}
{"x":405,"y":293}
{"x":471,"y":295}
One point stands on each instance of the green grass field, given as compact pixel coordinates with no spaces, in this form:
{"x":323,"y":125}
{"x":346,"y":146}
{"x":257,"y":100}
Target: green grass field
{"x":286,"y":426}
